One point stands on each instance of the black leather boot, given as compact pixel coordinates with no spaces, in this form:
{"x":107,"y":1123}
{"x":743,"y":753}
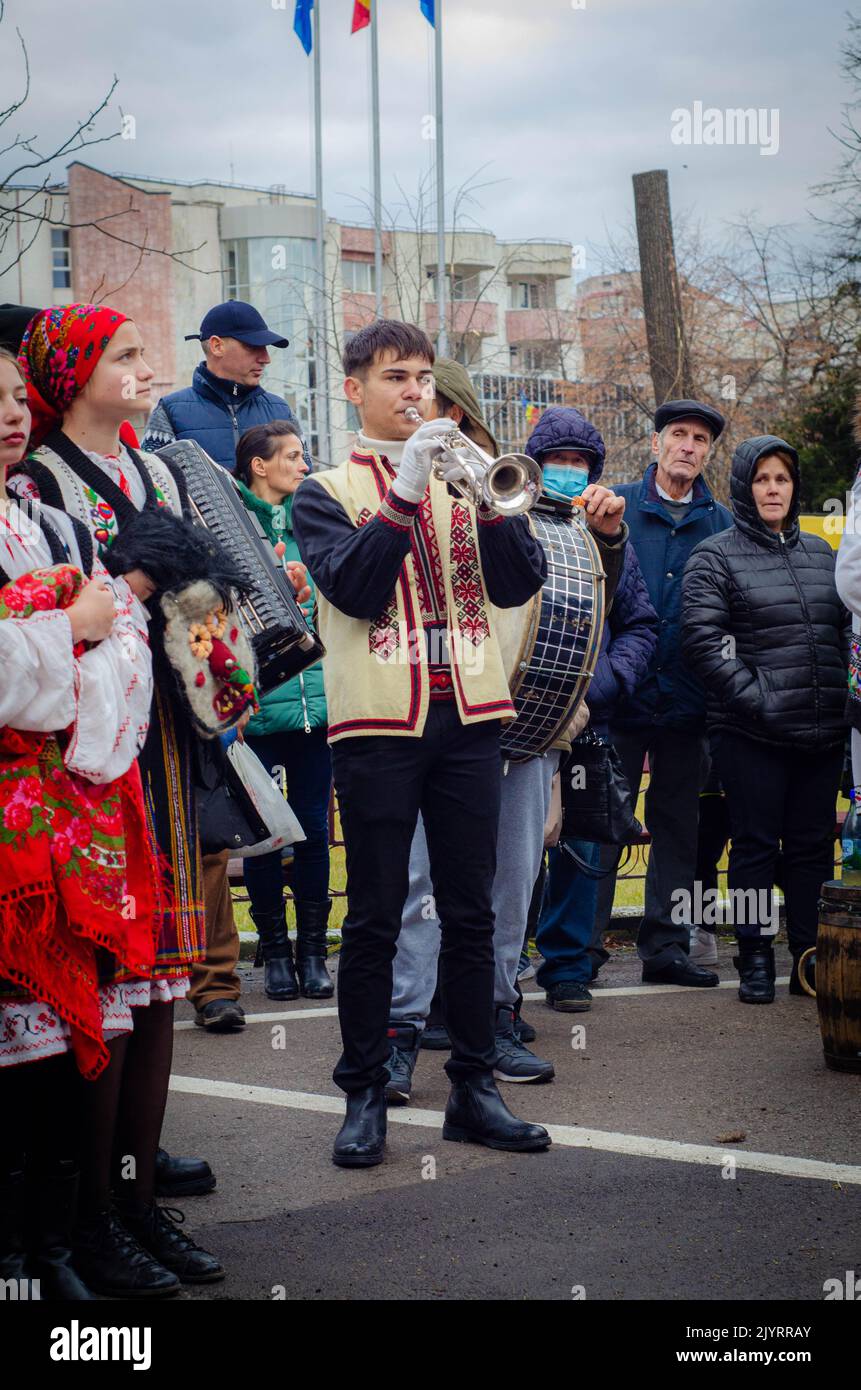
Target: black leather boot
{"x":477,"y":1114}
{"x":13,"y":1214}
{"x":361,"y":1141}
{"x":182,"y":1177}
{"x":55,"y":1201}
{"x":279,"y":976}
{"x":112,"y":1262}
{"x":157,"y":1230}
{"x":755,"y":966}
{"x":311,"y":921}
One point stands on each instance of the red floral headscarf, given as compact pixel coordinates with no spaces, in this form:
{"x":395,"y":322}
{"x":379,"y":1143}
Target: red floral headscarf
{"x":59,"y":352}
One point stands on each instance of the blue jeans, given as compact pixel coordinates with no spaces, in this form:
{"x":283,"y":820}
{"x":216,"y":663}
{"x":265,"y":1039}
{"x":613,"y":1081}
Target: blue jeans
{"x":308,"y":767}
{"x":567,"y":918}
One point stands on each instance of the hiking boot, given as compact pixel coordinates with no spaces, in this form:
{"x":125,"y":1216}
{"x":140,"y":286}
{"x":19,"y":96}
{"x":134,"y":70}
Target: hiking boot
{"x":157,"y":1229}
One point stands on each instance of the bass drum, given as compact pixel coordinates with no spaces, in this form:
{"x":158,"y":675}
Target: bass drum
{"x":550,"y":646}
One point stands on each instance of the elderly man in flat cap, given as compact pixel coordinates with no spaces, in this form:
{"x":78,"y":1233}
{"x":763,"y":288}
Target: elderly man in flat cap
{"x":668,"y":512}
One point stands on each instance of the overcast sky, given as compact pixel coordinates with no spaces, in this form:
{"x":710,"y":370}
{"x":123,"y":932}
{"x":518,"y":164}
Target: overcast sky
{"x":552,"y":106}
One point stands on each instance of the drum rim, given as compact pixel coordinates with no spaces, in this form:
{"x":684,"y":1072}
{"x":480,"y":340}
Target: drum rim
{"x":509,"y":731}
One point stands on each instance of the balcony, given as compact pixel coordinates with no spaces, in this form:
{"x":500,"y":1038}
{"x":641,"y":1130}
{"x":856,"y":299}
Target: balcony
{"x":464,"y":316}
{"x":541,"y":326}
{"x":531,"y":258}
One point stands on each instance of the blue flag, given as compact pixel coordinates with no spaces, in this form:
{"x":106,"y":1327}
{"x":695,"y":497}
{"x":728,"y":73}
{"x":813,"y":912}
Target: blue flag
{"x":427,"y":10}
{"x":302,"y":23}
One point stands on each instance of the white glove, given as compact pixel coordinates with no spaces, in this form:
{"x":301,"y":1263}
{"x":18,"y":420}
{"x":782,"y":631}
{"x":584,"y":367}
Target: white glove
{"x":417,"y":459}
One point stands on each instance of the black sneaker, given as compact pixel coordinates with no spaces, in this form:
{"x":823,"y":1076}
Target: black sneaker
{"x":525,"y":1032}
{"x":221,"y":1016}
{"x":404,"y":1039}
{"x":568,"y":997}
{"x":514,"y":1062}
{"x":111,"y":1261}
{"x":157,"y":1229}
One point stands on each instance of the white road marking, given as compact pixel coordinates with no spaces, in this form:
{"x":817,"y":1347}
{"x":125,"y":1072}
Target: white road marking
{"x":624,"y":990}
{"x":570,"y":1136}
{"x":619,"y":993}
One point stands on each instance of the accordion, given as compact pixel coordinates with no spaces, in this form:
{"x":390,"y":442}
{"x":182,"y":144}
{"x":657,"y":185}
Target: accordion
{"x":283,"y":643}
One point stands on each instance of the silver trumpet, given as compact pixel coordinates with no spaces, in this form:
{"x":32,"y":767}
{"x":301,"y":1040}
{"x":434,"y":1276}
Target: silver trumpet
{"x":508,"y":485}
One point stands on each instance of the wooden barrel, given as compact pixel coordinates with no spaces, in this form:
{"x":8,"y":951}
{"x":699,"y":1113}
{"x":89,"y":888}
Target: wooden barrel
{"x":838,"y":975}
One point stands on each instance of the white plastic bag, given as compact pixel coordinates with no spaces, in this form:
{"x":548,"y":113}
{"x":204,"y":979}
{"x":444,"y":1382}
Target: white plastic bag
{"x":271,"y":806}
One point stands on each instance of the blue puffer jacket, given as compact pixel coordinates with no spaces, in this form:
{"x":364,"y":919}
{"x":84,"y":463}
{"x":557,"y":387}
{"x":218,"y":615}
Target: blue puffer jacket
{"x":631,"y":630}
{"x":627,"y":646}
{"x":215,"y":413}
{"x":670,"y":696}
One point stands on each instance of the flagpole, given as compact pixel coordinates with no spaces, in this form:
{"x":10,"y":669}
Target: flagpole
{"x":441,"y":296}
{"x":324,"y":433}
{"x":375,"y":139}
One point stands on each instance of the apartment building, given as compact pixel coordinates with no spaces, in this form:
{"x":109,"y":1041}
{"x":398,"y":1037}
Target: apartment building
{"x":164,"y":251}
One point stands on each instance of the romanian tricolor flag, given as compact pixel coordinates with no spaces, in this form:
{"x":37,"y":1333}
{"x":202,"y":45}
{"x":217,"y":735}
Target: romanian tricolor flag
{"x":361,"y":15}
{"x":530,"y":410}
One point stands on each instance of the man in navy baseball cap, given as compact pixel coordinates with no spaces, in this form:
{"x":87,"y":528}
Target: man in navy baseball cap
{"x":225,"y":397}
{"x":240,"y":321}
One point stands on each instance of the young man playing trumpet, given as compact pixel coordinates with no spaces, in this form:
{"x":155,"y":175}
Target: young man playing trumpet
{"x":406,"y":576}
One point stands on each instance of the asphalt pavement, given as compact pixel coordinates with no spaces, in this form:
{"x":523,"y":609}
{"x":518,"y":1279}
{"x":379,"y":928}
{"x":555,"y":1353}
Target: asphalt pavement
{"x":702,"y":1150}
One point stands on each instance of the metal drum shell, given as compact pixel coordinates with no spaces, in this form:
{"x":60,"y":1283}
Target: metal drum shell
{"x":564,"y":620}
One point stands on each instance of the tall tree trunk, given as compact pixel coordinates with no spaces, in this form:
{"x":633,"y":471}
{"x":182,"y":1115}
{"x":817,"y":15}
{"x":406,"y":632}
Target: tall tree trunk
{"x":662,"y":303}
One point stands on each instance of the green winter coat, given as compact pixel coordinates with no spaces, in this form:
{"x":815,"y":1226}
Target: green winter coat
{"x":301,"y":700}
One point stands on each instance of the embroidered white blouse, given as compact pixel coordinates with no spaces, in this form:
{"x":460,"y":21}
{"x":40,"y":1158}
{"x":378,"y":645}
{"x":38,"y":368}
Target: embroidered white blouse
{"x":104,"y":696}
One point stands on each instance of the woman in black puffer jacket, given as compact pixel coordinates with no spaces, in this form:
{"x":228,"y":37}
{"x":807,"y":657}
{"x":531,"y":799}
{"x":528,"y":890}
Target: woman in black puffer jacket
{"x":765,"y":630}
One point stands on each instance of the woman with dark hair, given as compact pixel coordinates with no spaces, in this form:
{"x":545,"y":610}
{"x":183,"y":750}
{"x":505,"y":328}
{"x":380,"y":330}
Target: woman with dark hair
{"x":74,"y":853}
{"x":86,"y":373}
{"x":765,"y":630}
{"x":290,"y":733}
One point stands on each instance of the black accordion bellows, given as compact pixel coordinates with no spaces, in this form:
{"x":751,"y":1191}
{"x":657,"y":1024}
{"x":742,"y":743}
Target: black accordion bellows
{"x":284,"y":644}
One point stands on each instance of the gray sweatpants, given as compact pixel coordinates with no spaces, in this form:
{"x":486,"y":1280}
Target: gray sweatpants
{"x":520,"y":845}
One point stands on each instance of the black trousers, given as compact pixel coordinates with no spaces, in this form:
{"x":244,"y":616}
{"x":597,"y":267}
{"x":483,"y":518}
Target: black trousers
{"x":781,"y":797}
{"x":451,"y":775}
{"x":712,"y":836}
{"x":678,"y":763}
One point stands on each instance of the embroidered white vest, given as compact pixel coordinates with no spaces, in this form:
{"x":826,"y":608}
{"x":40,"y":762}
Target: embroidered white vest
{"x":376,"y":673}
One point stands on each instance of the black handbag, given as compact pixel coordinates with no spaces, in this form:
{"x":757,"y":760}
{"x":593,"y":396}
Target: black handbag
{"x":227,"y":817}
{"x":597,"y":804}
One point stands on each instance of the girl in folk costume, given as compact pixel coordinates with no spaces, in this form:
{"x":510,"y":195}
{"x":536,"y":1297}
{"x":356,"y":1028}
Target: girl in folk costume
{"x":74,"y":852}
{"x":86,"y":374}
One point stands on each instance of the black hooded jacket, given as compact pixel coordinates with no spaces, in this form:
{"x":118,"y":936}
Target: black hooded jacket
{"x":762,"y":624}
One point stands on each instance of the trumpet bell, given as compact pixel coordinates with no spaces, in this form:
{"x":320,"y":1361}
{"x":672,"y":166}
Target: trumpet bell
{"x":512,"y":485}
